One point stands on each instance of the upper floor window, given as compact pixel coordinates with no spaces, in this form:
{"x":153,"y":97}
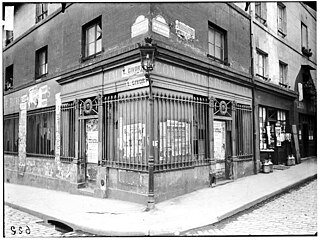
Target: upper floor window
{"x":283,"y":74}
{"x":217,"y":43}
{"x":9,"y":78}
{"x":261,"y":64}
{"x":41,"y":11}
{"x":261,"y":12}
{"x":42,"y":62}
{"x":9,"y":37}
{"x":282,"y":19}
{"x":304,"y":40}
{"x":92,"y":38}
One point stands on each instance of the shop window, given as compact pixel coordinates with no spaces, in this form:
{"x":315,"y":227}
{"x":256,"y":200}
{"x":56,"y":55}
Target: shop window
{"x":41,"y":11}
{"x":282,"y":19}
{"x":261,"y":12}
{"x":283,"y":69}
{"x":272,"y":128}
{"x":261,"y":65}
{"x":9,"y":78}
{"x":41,"y":132}
{"x":42,"y":62}
{"x":217,"y":43}
{"x":10,"y":133}
{"x":92,"y":38}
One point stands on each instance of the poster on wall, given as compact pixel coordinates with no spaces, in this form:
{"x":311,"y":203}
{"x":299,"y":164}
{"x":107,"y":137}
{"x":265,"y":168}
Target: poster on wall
{"x":174,"y":138}
{"x":219,"y":129}
{"x":131,"y":139}
{"x":278,"y":136}
{"x":92,"y":139}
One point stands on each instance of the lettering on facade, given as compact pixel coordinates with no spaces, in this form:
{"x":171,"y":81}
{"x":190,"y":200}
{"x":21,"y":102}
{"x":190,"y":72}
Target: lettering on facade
{"x":137,"y":81}
{"x":132,"y":69}
{"x":184,"y":31}
{"x":140,"y":26}
{"x":160,"y":26}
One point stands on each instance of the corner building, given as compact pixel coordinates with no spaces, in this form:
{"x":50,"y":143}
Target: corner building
{"x":80,"y":116}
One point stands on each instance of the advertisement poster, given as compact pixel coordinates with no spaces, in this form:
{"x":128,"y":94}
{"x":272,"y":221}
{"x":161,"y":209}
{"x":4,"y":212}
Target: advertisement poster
{"x":278,"y":135}
{"x":219,"y":137}
{"x":174,"y":138}
{"x":132,"y":139}
{"x":92,"y":140}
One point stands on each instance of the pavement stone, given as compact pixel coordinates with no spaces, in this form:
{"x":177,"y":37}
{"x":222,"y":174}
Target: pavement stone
{"x":297,"y":214}
{"x":109,"y":217}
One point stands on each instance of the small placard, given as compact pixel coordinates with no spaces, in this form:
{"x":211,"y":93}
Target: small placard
{"x":132,"y":69}
{"x":137,"y":81}
{"x":160,"y":26}
{"x":140,"y":26}
{"x":184,"y":31}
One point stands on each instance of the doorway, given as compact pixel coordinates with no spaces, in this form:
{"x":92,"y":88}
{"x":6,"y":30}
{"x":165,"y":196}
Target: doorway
{"x":91,"y":152}
{"x":222,"y":148}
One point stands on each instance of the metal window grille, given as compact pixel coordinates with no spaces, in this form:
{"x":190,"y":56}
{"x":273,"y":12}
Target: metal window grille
{"x":244,"y":148}
{"x":41,"y":132}
{"x":125,"y":127}
{"x":10,"y":134}
{"x":67,"y":130}
{"x":181,"y":132}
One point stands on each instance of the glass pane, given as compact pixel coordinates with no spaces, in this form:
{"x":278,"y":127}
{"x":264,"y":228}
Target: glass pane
{"x":211,"y":49}
{"x":98,"y":46}
{"x":217,"y":39}
{"x":218,"y":52}
{"x":210,"y":36}
{"x":91,"y":49}
{"x":91,"y":34}
{"x":304,"y":36}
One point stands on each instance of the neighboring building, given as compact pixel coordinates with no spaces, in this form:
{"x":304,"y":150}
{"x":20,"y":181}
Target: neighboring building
{"x":285,"y":62}
{"x":77,"y":112}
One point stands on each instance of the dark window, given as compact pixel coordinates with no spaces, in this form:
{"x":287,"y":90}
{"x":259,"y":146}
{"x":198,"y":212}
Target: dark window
{"x":41,"y":11}
{"x":217,"y":43}
{"x":282,"y":19}
{"x":283,"y":68}
{"x":9,"y":78}
{"x":41,"y":132}
{"x":9,"y":37}
{"x":10,"y":133}
{"x":261,"y":12}
{"x":42,"y":62}
{"x":92,"y":38}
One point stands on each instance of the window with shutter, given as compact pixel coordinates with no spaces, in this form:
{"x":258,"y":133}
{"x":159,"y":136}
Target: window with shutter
{"x":42,"y":62}
{"x":217,"y":43}
{"x":282,"y":21}
{"x":92,"y":38}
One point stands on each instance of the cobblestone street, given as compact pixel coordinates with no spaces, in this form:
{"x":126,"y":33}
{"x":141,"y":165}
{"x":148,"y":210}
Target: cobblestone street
{"x":292,"y":213}
{"x":21,"y":224}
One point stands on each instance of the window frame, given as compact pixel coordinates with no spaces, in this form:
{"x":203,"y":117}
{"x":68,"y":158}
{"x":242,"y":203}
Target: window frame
{"x":304,"y":44}
{"x":41,"y":11}
{"x":214,"y":30}
{"x":38,"y":65}
{"x":264,"y":56}
{"x":85,"y":49}
{"x":282,"y":15}
{"x":283,"y":70}
{"x":14,"y":133}
{"x":261,"y":12}
{"x":8,"y":78}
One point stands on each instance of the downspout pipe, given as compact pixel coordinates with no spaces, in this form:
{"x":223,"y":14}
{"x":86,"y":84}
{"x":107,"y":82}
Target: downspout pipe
{"x":253,"y":96}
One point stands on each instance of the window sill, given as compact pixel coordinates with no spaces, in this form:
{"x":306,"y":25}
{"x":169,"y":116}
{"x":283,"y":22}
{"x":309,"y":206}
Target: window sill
{"x":93,"y":56}
{"x":41,"y":78}
{"x":261,"y":20}
{"x":218,"y":60}
{"x":263,"y":78}
{"x":284,"y":85}
{"x":281,"y":33}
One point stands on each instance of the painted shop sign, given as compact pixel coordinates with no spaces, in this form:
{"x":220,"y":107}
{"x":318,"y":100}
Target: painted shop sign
{"x":38,"y":96}
{"x":137,"y":81}
{"x":132,"y":69}
{"x":174,"y":138}
{"x":140,"y":26}
{"x":189,"y":76}
{"x":160,"y":26}
{"x":184,"y":31}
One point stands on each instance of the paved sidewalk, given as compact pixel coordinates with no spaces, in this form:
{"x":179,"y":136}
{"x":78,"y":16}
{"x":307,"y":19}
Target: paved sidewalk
{"x":119,"y":218}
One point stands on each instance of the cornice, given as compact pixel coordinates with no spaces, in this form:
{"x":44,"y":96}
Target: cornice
{"x":274,"y":89}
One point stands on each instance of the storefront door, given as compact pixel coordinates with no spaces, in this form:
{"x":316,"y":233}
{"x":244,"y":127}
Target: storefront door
{"x":91,"y":163}
{"x":221,"y":149}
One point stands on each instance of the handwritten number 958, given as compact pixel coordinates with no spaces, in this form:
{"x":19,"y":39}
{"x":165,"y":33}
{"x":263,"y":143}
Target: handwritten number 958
{"x":19,"y":230}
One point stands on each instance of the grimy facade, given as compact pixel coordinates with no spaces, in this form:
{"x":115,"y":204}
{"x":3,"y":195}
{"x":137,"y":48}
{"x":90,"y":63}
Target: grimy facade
{"x":80,"y":115}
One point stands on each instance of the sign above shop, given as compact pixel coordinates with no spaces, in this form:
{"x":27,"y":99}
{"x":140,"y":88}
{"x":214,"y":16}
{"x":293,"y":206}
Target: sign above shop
{"x":132,"y":69}
{"x":160,"y":26}
{"x":184,"y":31}
{"x":137,"y":81}
{"x":140,"y":26}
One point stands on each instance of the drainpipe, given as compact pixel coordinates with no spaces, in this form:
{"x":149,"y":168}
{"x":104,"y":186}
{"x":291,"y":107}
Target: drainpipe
{"x":253,"y":96}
